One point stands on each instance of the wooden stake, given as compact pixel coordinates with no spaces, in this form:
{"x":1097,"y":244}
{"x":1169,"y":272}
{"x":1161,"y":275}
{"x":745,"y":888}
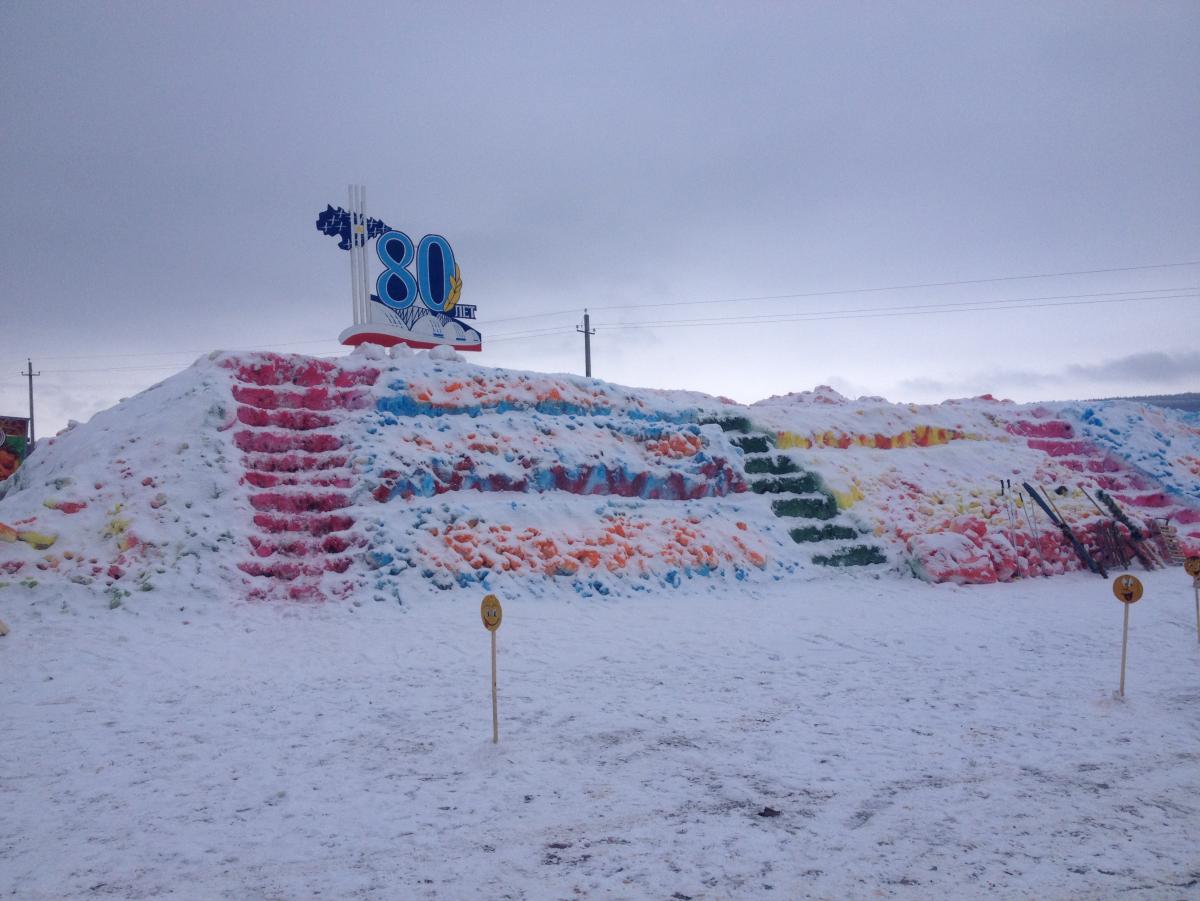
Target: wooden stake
{"x":1124,"y":645}
{"x":1197,"y":587}
{"x":492,"y":614}
{"x":496,"y":706}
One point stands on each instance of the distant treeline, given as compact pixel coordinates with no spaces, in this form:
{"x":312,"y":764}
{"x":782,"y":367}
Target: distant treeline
{"x":1189,"y":402}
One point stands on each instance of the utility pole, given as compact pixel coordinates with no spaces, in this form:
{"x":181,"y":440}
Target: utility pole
{"x":29,"y":374}
{"x":588,"y":331}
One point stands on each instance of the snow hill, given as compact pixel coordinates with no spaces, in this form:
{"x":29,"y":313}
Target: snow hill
{"x":378,"y":474}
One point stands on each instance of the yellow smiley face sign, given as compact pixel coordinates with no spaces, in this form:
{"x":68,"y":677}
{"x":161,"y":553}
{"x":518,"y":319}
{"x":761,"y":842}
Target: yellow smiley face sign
{"x":1128,"y":589}
{"x":1192,"y":566}
{"x":491,"y":613}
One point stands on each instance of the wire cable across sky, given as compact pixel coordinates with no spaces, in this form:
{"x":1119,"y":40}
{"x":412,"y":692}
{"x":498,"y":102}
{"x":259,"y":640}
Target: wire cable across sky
{"x":961,"y":306}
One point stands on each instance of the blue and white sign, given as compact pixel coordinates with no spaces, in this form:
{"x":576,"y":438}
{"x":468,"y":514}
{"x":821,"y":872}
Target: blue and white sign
{"x":416,"y":299}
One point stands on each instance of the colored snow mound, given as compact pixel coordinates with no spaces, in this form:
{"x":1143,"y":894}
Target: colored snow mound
{"x":382,"y":474}
{"x":951,"y":557}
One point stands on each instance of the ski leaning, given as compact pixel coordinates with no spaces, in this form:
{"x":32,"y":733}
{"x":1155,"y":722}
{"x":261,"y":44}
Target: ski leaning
{"x":1057,"y":519}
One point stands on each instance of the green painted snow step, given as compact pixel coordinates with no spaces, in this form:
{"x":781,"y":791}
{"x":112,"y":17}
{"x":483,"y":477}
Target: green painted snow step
{"x":828,"y":532}
{"x":806,"y":507}
{"x":753,"y":444}
{"x":729,"y":423}
{"x":777,"y":466}
{"x":803,"y":484}
{"x":858,"y":555}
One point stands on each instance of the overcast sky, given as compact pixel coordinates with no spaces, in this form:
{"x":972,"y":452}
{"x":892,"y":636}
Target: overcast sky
{"x":162,"y":166}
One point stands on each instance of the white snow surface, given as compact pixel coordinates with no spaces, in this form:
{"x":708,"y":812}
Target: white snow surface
{"x":916,"y":741}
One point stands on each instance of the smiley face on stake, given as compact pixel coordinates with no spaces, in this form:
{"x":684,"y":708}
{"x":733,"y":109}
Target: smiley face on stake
{"x":1127,"y":589}
{"x":491,"y":613}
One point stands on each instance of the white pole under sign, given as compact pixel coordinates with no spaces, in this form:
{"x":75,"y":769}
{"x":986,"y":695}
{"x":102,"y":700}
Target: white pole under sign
{"x":355,"y":224}
{"x":359,"y":292}
{"x":361,"y":234}
{"x":353,"y":259}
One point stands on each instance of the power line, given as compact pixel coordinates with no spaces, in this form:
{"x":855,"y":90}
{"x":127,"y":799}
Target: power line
{"x":561,"y":312}
{"x":115,"y":369}
{"x":823,"y":316}
{"x":172,"y":366}
{"x":692,"y":323}
{"x":543,"y":333}
{"x":549,"y":328}
{"x":973,"y":281}
{"x":968,"y":304}
{"x":768,"y":319}
{"x":182,"y":353}
{"x":522,"y":334}
{"x":848,"y":291}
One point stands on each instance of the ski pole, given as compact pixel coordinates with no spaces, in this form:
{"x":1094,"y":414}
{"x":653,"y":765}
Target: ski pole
{"x":1094,"y":504}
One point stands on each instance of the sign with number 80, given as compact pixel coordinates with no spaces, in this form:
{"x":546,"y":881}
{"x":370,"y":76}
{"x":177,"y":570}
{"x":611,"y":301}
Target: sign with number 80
{"x":438,"y":281}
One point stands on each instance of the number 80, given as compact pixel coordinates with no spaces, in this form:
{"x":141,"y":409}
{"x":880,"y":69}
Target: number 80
{"x":437,"y":282}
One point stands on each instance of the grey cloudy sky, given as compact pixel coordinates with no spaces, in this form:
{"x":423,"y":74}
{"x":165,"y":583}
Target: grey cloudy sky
{"x":163,"y":164}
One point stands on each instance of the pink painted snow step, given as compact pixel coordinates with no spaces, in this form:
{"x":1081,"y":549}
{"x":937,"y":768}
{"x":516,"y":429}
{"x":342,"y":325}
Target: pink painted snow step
{"x":301,"y":502}
{"x":1125,"y":482}
{"x":312,"y":524}
{"x":296,"y":420}
{"x":274,"y":442}
{"x":277,"y":570}
{"x":1094,"y":465}
{"x":276,"y":370}
{"x":1061,"y":448}
{"x":1153,"y":499}
{"x":1053,"y":428}
{"x":287,"y":570}
{"x":305,"y":373}
{"x":271,"y":480}
{"x":294,"y":463}
{"x":297,"y":548}
{"x":330,"y":544}
{"x":319,"y":398}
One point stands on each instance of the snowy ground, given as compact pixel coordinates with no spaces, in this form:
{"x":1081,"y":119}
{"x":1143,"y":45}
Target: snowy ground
{"x":916,"y":741}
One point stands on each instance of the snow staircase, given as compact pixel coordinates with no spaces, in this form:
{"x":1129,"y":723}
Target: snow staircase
{"x":800,"y":497}
{"x":297,"y":469}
